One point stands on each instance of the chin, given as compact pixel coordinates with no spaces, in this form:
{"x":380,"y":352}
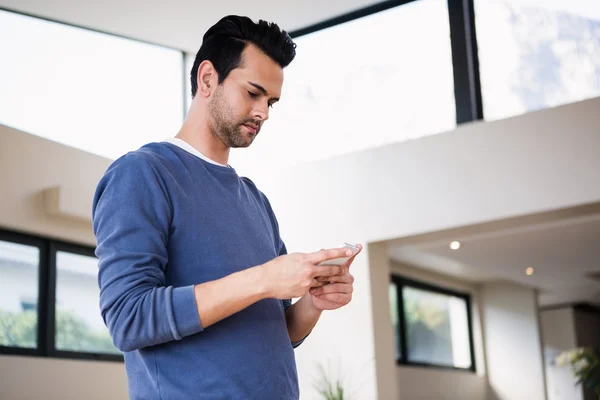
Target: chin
{"x":242,"y":141}
{"x":241,"y":145}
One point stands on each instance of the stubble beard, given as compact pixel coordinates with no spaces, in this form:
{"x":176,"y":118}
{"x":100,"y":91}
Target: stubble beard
{"x":228,"y":130}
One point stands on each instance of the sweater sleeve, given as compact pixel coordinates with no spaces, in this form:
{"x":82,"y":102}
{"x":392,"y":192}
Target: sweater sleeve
{"x":131,"y":220}
{"x":287,"y":303}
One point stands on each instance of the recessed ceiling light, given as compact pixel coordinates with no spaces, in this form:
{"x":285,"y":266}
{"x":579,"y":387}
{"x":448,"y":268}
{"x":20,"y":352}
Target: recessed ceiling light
{"x":455,"y":245}
{"x":529,"y":271}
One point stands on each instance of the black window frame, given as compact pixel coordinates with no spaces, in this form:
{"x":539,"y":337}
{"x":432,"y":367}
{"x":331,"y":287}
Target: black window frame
{"x":46,"y":306}
{"x":402,"y":282}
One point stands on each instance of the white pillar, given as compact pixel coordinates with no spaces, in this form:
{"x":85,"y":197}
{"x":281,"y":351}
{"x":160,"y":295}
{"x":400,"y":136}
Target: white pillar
{"x":512,"y":341}
{"x":383,"y":335}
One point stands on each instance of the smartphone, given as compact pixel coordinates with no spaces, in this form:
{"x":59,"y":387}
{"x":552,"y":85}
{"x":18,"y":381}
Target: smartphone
{"x":342,"y":260}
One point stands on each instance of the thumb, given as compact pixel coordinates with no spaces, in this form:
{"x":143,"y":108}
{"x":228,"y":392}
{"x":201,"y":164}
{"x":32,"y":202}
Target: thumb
{"x":349,"y":262}
{"x":329,"y":254}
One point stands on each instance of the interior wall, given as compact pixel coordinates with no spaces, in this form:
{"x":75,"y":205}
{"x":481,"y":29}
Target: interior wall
{"x":33,"y":378}
{"x":383,"y":332}
{"x":431,"y":383}
{"x":512,"y":342}
{"x":29,"y":165}
{"x":478,"y":173}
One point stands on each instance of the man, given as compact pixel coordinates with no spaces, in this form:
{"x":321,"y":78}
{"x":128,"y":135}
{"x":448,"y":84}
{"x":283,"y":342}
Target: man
{"x":195,"y":281}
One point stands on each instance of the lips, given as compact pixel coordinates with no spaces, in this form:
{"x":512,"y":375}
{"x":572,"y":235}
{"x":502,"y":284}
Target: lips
{"x":252,"y":128}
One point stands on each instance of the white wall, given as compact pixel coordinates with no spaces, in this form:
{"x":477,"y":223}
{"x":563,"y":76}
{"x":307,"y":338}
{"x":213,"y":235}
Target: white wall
{"x":28,"y":378}
{"x":441,"y":384}
{"x":407,"y":383}
{"x":419,"y":384}
{"x":477,"y":173}
{"x":383,"y":334}
{"x":29,"y":164}
{"x":512,"y":341}
{"x":558,"y":335}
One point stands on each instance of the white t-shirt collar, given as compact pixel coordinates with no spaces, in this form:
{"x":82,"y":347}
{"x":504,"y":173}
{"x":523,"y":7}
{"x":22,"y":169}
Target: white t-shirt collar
{"x":192,"y":150}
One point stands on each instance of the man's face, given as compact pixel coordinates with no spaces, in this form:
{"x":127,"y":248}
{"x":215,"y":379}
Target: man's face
{"x":240,"y":105}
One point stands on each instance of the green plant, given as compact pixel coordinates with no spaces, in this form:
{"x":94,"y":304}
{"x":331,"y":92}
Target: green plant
{"x":72,"y":332}
{"x":585,"y":365}
{"x":19,"y":330}
{"x":328,"y":387}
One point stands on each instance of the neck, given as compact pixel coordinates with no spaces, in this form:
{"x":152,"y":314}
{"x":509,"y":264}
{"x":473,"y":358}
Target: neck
{"x":197,"y":132}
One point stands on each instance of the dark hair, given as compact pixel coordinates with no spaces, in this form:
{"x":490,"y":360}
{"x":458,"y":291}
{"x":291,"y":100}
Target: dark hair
{"x":225,"y":41}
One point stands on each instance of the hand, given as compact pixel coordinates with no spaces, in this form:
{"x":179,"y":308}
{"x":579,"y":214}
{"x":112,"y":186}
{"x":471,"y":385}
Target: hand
{"x":292,"y":275}
{"x":338,"y":291}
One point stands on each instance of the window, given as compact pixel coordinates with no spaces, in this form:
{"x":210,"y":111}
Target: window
{"x":535,"y":54}
{"x":50,"y":308}
{"x":432,"y":325}
{"x":395,"y":318}
{"x":379,"y":79}
{"x":78,"y":324}
{"x":19,"y":282}
{"x":92,"y":91}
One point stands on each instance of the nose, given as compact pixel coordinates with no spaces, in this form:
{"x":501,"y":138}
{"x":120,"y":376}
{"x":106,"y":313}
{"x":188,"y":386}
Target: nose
{"x":261,"y":111}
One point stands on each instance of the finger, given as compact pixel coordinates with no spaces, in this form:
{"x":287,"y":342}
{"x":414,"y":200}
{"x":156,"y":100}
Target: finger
{"x":339,"y":298}
{"x":343,"y":278}
{"x":327,"y":270}
{"x":332,"y":288}
{"x":327,"y":279}
{"x":318,"y":283}
{"x":324,"y":255}
{"x":349,"y":262}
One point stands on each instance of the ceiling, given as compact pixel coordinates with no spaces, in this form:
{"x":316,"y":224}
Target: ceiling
{"x":564,"y":252}
{"x":179,"y":23}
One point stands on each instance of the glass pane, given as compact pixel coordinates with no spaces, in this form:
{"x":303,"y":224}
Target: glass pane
{"x":362,"y":84}
{"x":93,"y":91}
{"x":393,"y":294}
{"x":536,"y":54}
{"x":437,"y":328}
{"x":79,"y":325}
{"x":19,"y":268}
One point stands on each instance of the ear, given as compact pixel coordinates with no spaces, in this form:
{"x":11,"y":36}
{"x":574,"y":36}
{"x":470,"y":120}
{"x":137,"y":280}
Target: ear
{"x":207,"y":78}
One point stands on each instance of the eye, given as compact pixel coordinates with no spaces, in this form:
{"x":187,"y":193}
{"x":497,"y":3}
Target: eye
{"x":252,"y":94}
{"x":271,"y":105}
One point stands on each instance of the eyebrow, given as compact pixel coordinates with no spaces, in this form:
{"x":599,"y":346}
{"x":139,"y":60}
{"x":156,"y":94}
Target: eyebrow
{"x":262,"y":90}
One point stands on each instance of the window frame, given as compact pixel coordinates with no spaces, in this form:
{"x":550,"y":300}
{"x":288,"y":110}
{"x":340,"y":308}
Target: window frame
{"x":463,"y":42}
{"x":463,"y":45}
{"x":19,"y":238}
{"x":56,"y":246}
{"x":46,"y":309}
{"x":401,"y":282}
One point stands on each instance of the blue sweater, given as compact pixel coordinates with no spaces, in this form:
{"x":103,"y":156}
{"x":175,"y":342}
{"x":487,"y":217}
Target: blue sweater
{"x":166,"y":220}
